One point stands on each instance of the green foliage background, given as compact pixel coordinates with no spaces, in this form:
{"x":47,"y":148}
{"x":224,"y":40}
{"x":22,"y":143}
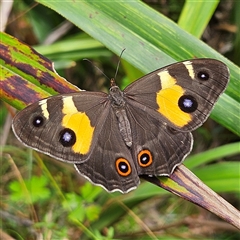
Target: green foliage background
{"x":49,"y":194}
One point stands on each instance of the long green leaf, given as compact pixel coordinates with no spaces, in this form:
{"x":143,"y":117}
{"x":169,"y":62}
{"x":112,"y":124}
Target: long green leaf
{"x":26,"y":76}
{"x":151,"y":41}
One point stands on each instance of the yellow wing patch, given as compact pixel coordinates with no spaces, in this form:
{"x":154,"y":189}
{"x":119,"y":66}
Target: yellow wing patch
{"x":80,"y":123}
{"x":189,"y":67}
{"x":167,"y":100}
{"x":166,"y":79}
{"x":43,"y":104}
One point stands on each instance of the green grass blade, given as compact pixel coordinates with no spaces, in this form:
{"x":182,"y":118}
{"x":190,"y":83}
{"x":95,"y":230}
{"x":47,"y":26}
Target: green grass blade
{"x":212,"y":154}
{"x":222,"y":177}
{"x":196,"y":15}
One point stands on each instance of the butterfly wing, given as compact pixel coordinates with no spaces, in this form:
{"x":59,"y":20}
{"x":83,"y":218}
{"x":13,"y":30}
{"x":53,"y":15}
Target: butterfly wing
{"x":157,"y":148}
{"x":165,"y":105}
{"x":111,"y":165}
{"x":183,"y":93}
{"x":77,"y":128}
{"x":65,"y":126}
{"x":162,"y":108}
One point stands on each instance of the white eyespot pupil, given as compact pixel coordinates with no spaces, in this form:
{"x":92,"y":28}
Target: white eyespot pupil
{"x":187,"y":103}
{"x":67,"y":137}
{"x":123,"y":167}
{"x":38,"y":121}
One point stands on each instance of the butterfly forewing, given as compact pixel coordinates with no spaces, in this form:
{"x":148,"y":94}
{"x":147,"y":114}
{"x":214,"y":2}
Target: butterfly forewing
{"x":64,"y":126}
{"x":183,"y":94}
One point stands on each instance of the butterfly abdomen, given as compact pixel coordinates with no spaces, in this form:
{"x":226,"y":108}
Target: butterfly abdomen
{"x":118,"y":105}
{"x":124,"y":126}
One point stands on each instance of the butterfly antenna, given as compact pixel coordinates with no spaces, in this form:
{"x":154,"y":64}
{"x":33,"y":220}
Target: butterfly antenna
{"x":119,"y":63}
{"x":112,"y":80}
{"x":85,"y":59}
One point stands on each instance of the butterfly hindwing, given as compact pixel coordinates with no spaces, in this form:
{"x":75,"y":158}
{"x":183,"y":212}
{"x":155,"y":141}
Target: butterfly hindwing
{"x":111,"y":164}
{"x":165,"y":147}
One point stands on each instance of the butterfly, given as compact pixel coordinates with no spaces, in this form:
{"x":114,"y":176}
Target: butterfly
{"x":112,"y":139}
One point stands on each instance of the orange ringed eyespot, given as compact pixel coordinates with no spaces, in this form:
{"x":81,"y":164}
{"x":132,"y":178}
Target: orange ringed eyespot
{"x":123,"y":167}
{"x":145,"y":158}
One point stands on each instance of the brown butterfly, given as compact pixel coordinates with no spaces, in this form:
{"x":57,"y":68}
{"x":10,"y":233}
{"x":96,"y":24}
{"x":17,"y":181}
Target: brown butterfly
{"x":114,"y":138}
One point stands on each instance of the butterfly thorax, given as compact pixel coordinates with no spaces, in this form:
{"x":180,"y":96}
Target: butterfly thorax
{"x":118,"y":104}
{"x":116,"y":97}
